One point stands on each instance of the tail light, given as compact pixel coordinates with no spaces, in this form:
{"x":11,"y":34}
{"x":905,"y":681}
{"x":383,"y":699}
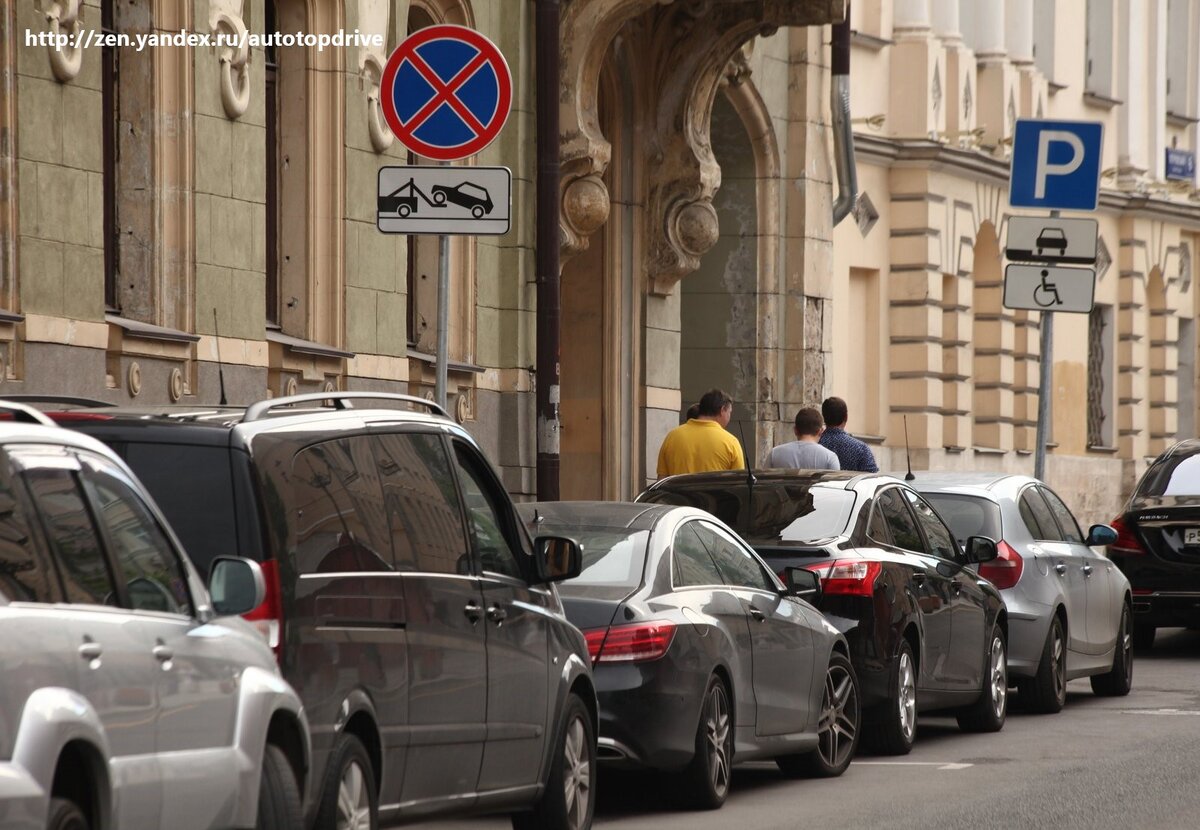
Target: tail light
{"x":268,"y":616}
{"x":848,"y":577}
{"x":1127,"y":540}
{"x":636,"y":643}
{"x":1005,"y":570}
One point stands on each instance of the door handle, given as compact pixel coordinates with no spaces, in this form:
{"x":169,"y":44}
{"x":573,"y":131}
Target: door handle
{"x":1060,"y":568}
{"x":162,"y":653}
{"x":1087,"y":570}
{"x":918,"y":579}
{"x":758,"y":615}
{"x":957,"y":588}
{"x":90,"y":650}
{"x":473,"y":611}
{"x":497,"y":614}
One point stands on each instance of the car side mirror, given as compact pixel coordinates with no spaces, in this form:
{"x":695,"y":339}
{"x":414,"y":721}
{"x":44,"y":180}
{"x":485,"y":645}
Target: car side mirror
{"x":236,"y":585}
{"x":1100,"y":536}
{"x":803,"y":583}
{"x":557,"y":558}
{"x":981,"y":549}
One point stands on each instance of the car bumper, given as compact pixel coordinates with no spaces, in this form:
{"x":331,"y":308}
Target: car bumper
{"x":23,"y":804}
{"x":1165,"y":609}
{"x":1165,"y":593}
{"x":1028,"y":626}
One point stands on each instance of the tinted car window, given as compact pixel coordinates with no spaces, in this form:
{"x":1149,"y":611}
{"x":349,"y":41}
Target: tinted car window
{"x":1066,"y":521}
{"x":736,"y":564}
{"x":968,"y":515}
{"x":338,"y":506}
{"x":610,"y":557}
{"x":877,"y":526}
{"x":487,"y":515}
{"x":1037,"y":517}
{"x":153,"y":575}
{"x":937,"y":535}
{"x":192,"y":485}
{"x":693,"y":563}
{"x":899,"y":520}
{"x":423,"y":509}
{"x":25,"y":576}
{"x":1175,"y":475}
{"x":72,"y":536}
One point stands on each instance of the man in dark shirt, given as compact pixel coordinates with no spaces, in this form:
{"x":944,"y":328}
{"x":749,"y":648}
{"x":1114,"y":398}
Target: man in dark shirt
{"x":852,"y":453}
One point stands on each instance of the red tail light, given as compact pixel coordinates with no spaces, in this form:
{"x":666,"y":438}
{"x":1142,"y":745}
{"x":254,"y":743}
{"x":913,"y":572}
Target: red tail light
{"x":1127,"y":541}
{"x":848,"y":577}
{"x":268,"y":616}
{"x":1005,"y":570}
{"x":636,"y":643}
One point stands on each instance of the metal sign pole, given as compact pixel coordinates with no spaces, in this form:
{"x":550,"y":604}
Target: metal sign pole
{"x":1045,"y":379}
{"x":443,"y":323}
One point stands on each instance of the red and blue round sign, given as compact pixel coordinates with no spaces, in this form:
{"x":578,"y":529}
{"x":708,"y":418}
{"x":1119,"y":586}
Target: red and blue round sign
{"x":446,"y":92}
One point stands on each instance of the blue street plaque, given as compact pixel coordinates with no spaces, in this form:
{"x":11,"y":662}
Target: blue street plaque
{"x":1181,"y":165}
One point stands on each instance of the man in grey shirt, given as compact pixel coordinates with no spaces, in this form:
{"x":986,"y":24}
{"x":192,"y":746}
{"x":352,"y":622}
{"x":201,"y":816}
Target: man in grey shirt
{"x":805,"y":453}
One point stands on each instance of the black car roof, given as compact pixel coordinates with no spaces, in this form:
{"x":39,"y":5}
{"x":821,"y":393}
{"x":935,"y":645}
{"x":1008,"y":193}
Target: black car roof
{"x":614,"y":514}
{"x":736,"y":477}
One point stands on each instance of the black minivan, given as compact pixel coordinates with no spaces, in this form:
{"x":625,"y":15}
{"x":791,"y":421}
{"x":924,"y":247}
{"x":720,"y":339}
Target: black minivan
{"x":407,"y":604}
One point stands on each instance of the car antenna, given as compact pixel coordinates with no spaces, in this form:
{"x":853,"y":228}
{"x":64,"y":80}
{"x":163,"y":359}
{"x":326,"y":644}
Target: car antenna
{"x":907,"y":457}
{"x":220,"y":365}
{"x":750,"y":479}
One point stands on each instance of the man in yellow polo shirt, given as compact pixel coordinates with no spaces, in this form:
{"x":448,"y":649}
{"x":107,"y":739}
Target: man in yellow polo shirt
{"x":701,"y":444}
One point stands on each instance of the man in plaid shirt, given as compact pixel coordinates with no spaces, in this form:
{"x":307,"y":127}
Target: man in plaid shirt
{"x":852,"y":453}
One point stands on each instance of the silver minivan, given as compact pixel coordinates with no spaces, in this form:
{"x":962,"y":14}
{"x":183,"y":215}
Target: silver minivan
{"x":129,"y":698}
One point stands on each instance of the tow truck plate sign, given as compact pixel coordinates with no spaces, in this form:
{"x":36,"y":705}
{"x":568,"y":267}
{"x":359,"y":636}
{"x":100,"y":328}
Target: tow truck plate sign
{"x":429,"y":199}
{"x":1052,"y":240}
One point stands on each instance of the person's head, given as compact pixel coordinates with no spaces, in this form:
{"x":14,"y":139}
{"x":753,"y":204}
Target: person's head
{"x":715,"y":405}
{"x":693,"y":412}
{"x":809,"y":423}
{"x":833,"y":410}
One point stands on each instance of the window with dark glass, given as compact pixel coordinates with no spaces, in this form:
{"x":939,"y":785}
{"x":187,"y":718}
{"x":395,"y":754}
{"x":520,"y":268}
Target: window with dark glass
{"x":1037,"y":517}
{"x":737,"y":565}
{"x":153,"y":575}
{"x":877,"y":526}
{"x":1066,"y":521}
{"x":899,"y":520}
{"x":25,"y":576}
{"x":422,"y":505}
{"x":693,"y":564}
{"x":940,"y":541}
{"x":489,"y":516}
{"x":73,"y":537}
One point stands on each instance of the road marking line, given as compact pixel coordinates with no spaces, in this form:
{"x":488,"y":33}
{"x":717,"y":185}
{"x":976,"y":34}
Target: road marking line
{"x":1160,"y":711}
{"x":950,"y":765}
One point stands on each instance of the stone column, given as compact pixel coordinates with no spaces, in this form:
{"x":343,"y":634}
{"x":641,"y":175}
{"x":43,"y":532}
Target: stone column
{"x":960,"y":82}
{"x":997,"y":81}
{"x":1018,"y":30}
{"x":917,"y":78}
{"x":1132,"y":117}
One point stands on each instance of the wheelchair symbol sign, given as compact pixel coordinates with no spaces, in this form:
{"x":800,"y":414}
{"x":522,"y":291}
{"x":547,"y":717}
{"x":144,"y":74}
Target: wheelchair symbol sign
{"x":1048,"y":288}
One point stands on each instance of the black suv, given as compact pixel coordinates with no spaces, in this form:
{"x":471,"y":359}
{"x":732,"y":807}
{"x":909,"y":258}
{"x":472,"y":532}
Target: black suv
{"x":406,"y":603}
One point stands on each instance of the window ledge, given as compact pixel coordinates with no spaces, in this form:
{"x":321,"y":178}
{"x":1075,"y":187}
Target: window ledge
{"x":146,"y":331}
{"x":1100,"y":100}
{"x":306,"y":347}
{"x":1055,"y":86}
{"x":1180,"y":119}
{"x":870,"y":439}
{"x":988,"y":451}
{"x":872,"y":42}
{"x":452,"y":365}
{"x":7,"y":316}
{"x":1103,"y":449}
{"x":954,"y":449}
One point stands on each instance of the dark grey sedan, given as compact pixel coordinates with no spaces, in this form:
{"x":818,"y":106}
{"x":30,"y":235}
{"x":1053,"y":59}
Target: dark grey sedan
{"x":702,"y":658}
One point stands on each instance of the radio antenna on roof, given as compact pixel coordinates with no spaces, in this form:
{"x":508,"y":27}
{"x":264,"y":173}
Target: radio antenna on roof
{"x":907,"y":457}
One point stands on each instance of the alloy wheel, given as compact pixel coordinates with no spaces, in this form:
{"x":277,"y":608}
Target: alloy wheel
{"x":907,"y":696}
{"x":353,"y":805}
{"x":998,"y":677}
{"x":577,"y":774}
{"x":1127,"y":643}
{"x":1059,"y":654}
{"x":716,"y":730}
{"x":839,"y":715}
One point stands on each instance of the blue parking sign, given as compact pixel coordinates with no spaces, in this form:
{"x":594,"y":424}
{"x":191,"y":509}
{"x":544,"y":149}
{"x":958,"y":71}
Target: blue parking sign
{"x":1056,"y":164}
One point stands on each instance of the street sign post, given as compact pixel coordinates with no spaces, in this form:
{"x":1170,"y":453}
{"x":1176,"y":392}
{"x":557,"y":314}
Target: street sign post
{"x":1047,"y":288}
{"x":446,"y":93}
{"x":1053,"y":241}
{"x":1056,"y":164}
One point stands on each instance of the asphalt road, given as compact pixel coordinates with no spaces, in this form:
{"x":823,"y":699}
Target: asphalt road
{"x":1124,"y":763}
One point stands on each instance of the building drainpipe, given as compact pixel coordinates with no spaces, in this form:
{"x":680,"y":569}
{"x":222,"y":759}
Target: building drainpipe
{"x":843,"y":133}
{"x":546,"y":262}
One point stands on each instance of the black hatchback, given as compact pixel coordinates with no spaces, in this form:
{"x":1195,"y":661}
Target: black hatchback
{"x":925,"y":630}
{"x":1158,"y":543}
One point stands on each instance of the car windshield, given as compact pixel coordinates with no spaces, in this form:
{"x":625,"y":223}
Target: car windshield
{"x":610,"y":557}
{"x":967,"y":515}
{"x":776,"y":513}
{"x":1172,"y":476}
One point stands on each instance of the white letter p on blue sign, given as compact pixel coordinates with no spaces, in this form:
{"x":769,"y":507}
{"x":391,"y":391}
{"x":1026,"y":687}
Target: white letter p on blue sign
{"x":1056,"y":164}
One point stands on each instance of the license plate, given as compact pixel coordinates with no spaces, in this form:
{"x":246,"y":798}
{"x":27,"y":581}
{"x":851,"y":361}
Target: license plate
{"x":1191,"y":536}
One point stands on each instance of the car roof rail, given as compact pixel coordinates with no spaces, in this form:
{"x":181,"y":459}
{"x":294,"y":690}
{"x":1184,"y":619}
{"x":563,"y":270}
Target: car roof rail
{"x":21,"y":412}
{"x":340,"y":400}
{"x":65,"y":400}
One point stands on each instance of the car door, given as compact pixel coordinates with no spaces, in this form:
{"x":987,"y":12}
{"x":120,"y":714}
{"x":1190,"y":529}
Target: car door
{"x":1065,"y":566}
{"x":968,"y":602}
{"x":1103,"y":613}
{"x":446,"y":641}
{"x":930,"y":588}
{"x":516,"y":619}
{"x":779,"y":635}
{"x":119,"y":674}
{"x":196,"y":681}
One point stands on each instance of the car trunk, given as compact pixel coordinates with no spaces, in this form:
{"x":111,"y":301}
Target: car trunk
{"x":1169,"y":527}
{"x":593,"y":606}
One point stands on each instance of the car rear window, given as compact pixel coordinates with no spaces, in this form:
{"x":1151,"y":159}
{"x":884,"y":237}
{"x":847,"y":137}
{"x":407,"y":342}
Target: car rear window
{"x":193,"y":486}
{"x":769,"y":513}
{"x":967,"y":515}
{"x":610,"y":557}
{"x":1173,"y":476}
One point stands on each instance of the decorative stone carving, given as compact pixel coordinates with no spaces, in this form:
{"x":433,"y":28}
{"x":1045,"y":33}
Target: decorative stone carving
{"x":968,"y":101}
{"x":225,"y":18}
{"x":865,"y":214}
{"x":1185,"y":266}
{"x":63,"y":17}
{"x":175,"y":385}
{"x":133,"y":379}
{"x":584,"y":210}
{"x":1103,"y":259}
{"x":373,"y":20}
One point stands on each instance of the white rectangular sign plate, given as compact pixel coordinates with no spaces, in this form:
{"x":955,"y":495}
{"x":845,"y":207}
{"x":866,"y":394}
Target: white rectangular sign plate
{"x":437,"y":199}
{"x":1051,"y":240}
{"x":1049,"y":288}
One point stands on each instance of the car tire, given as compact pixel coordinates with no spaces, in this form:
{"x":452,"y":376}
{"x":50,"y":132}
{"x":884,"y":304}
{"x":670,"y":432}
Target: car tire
{"x":569,"y":799}
{"x":349,"y":769}
{"x":707,"y":779}
{"x":279,"y":805}
{"x":439,"y":197}
{"x":1143,"y":636}
{"x":1046,"y":692}
{"x":1118,"y":680}
{"x":65,"y":814}
{"x":838,"y":728}
{"x":893,"y":726}
{"x":987,"y":714}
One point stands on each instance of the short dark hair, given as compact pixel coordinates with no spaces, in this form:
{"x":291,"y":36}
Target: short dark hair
{"x":808,"y":421}
{"x":713,"y":401}
{"x":693,"y":412}
{"x":834,"y":411}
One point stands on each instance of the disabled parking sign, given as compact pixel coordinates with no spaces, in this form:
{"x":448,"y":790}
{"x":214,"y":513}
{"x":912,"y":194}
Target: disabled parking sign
{"x":1056,"y":164}
{"x":446,"y":92}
